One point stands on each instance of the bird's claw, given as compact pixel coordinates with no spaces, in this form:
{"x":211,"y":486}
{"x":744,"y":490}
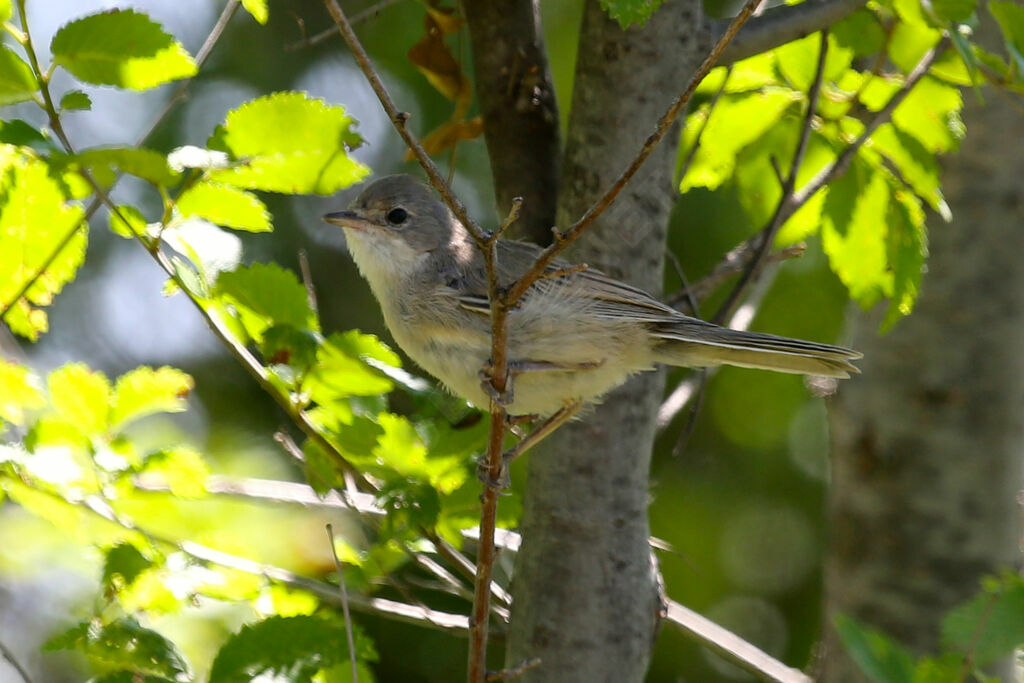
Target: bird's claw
{"x":502,"y":483}
{"x":502,"y":398}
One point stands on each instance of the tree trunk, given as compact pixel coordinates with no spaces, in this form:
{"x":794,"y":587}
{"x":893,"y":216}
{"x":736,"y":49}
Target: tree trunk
{"x":585,"y":590}
{"x":928,"y":441}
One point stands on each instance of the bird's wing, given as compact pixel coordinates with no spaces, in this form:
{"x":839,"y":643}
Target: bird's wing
{"x":605,"y":296}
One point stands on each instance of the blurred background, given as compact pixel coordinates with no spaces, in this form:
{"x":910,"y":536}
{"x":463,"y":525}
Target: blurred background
{"x":741,"y":504}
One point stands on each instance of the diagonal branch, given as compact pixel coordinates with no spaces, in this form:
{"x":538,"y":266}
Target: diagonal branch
{"x":780,"y":25}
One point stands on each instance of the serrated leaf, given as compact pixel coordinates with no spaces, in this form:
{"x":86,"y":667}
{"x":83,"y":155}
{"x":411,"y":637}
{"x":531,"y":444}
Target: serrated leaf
{"x":908,"y":249}
{"x":81,"y":396}
{"x":127,"y":221}
{"x":144,"y":391}
{"x":138,"y":161}
{"x":124,"y":644}
{"x":340,"y":371}
{"x":854,"y":234}
{"x":19,"y":391}
{"x":17,"y":82}
{"x":916,"y":166}
{"x":75,"y":100}
{"x":225,"y":205}
{"x":35,"y":221}
{"x":123,"y":48}
{"x":271,"y":294}
{"x":629,"y":12}
{"x":182,"y":468}
{"x":736,"y":121}
{"x":289,"y":649}
{"x":122,"y":565}
{"x":990,"y":625}
{"x":286,"y":345}
{"x":289,"y":142}
{"x":258,"y":9}
{"x":881,"y":658}
{"x":931,"y":114}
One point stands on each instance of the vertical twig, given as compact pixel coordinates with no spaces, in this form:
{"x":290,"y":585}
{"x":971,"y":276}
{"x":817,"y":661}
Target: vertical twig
{"x":7,"y":654}
{"x":344,"y":607}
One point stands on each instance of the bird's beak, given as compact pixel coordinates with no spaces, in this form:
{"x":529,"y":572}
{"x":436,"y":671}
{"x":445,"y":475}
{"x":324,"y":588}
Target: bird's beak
{"x":350,"y":219}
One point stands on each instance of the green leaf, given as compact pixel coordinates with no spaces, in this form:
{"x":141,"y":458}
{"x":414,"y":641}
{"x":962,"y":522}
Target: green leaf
{"x":908,"y":249}
{"x":882,"y":659}
{"x":123,"y":564}
{"x":123,"y":48}
{"x":854,"y":234}
{"x":127,"y":221}
{"x":17,"y":82}
{"x":931,"y":114}
{"x":628,"y":12}
{"x":144,"y":391}
{"x":81,"y":396}
{"x":798,"y":61}
{"x":990,"y":625}
{"x":124,"y":644}
{"x":946,"y":668}
{"x":19,"y":133}
{"x":341,"y":371}
{"x":138,"y":161}
{"x":75,"y":100}
{"x":266,"y":294}
{"x":19,"y":391}
{"x":289,"y":142}
{"x":35,"y":220}
{"x":736,"y":121}
{"x":286,"y":649}
{"x":286,"y":345}
{"x":182,"y":468}
{"x":860,"y":32}
{"x":257,"y":8}
{"x":916,"y":165}
{"x":225,"y":205}
{"x":909,"y":42}
{"x":1010,"y":17}
{"x":953,"y":11}
{"x":5,"y":10}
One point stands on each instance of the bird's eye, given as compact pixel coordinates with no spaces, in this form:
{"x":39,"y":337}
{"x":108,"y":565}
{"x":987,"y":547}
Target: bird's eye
{"x":397,"y":216}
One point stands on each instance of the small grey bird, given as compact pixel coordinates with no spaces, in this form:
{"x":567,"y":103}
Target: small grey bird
{"x":571,"y":339}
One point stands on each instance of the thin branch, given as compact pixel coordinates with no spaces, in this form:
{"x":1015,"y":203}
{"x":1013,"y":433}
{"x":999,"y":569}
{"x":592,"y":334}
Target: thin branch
{"x":513,"y":672}
{"x":6,"y":653}
{"x":736,"y":260}
{"x":731,"y":647}
{"x":767,"y":236}
{"x":333,"y":30}
{"x":564,"y":239}
{"x":780,"y":25}
{"x":344,"y":606}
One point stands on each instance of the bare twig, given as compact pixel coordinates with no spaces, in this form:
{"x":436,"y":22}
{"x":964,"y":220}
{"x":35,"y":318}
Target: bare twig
{"x":6,"y":653}
{"x":514,"y":672}
{"x":767,"y":236}
{"x":736,"y":260}
{"x":732,"y":647}
{"x":344,"y":606}
{"x":564,"y":239}
{"x":358,"y":17}
{"x":307,"y":280}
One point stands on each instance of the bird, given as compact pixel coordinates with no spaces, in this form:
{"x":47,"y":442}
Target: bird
{"x":572,"y":337}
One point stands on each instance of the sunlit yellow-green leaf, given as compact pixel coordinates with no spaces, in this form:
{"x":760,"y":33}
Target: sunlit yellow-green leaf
{"x":798,"y":61}
{"x":122,"y":48}
{"x":917,"y":167}
{"x":341,"y":372}
{"x":908,"y":249}
{"x":138,"y":161}
{"x":257,"y":8}
{"x":127,"y":221}
{"x":19,"y":391}
{"x":909,"y":42}
{"x":81,"y":396}
{"x":289,"y":142}
{"x":266,"y":294}
{"x":931,"y":114}
{"x":5,"y":10}
{"x":36,"y":222}
{"x":225,"y":205}
{"x":854,"y":235}
{"x":1010,"y":17}
{"x":144,"y":391}
{"x":182,"y":468}
{"x":736,"y":121}
{"x":17,"y":83}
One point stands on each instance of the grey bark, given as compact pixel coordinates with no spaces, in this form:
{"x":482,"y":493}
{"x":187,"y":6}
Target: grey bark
{"x":928,"y":441}
{"x":517,"y":101}
{"x":586,"y":599}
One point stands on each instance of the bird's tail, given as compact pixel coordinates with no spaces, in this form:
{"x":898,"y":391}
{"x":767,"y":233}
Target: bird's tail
{"x":695,"y":343}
